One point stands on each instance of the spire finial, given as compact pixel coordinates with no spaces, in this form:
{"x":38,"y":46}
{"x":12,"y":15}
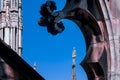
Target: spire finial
{"x":73,"y":64}
{"x":35,"y":66}
{"x":74,"y":53}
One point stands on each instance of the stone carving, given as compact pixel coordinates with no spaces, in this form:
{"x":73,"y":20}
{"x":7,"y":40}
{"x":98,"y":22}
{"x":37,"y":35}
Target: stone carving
{"x":48,"y":18}
{"x":99,"y":22}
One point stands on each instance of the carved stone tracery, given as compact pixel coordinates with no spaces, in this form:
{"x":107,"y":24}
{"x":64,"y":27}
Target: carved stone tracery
{"x":99,"y":22}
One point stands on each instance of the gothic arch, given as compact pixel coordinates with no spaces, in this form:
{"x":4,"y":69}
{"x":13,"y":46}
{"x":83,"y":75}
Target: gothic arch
{"x":94,"y":37}
{"x":97,"y":24}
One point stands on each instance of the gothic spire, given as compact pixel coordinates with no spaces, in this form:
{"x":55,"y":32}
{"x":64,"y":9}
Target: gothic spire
{"x":11,"y":24}
{"x":74,"y":64}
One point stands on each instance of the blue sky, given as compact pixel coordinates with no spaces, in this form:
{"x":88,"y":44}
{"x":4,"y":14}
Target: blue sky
{"x":52,"y":54}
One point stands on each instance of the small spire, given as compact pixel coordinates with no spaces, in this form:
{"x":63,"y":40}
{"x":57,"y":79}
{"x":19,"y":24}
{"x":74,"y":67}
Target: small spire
{"x":74,"y":64}
{"x":74,"y":53}
{"x":35,"y":66}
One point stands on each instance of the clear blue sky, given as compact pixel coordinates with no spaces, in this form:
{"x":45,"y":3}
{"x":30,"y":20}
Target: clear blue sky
{"x":51,"y":53}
